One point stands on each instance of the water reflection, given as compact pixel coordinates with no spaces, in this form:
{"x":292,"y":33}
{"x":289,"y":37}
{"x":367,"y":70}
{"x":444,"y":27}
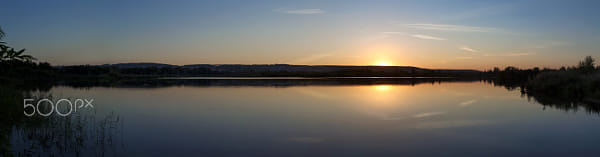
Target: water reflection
{"x":278,"y":117}
{"x":565,"y":101}
{"x":82,"y":133}
{"x":382,"y":88}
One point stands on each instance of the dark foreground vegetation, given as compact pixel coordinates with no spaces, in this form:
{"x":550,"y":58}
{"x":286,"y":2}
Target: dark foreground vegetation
{"x":80,"y":133}
{"x":257,"y":70}
{"x":569,"y":88}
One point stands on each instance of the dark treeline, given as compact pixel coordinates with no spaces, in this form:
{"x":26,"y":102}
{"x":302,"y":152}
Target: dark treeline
{"x":276,"y":70}
{"x":264,"y":82}
{"x":116,"y":72}
{"x":585,"y":67}
{"x":514,"y":77}
{"x":568,"y":88}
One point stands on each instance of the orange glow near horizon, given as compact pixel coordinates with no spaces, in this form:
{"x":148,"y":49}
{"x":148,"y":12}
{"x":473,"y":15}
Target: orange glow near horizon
{"x":382,"y":88}
{"x":382,"y":54}
{"x":382,"y":95}
{"x":383,"y":63}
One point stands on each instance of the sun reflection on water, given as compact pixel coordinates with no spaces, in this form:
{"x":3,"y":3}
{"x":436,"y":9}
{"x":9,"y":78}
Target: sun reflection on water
{"x":382,"y":88}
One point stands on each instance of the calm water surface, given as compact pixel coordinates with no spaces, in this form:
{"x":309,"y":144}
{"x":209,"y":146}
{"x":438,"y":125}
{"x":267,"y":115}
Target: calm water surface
{"x":427,"y":119}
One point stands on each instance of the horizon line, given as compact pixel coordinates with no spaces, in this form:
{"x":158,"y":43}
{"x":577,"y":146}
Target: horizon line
{"x":373,"y":65}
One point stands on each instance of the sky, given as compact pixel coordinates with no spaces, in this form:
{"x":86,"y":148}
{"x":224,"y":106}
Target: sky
{"x":448,"y":34}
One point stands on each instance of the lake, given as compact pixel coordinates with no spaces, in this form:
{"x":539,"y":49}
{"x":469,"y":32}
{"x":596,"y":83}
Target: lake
{"x":305,"y":117}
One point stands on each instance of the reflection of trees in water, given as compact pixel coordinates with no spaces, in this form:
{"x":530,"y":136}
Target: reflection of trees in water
{"x":263,"y":82}
{"x":566,"y":103}
{"x":81,"y":133}
{"x":564,"y":100}
{"x":566,"y":90}
{"x":560,"y":96}
{"x":86,"y":133}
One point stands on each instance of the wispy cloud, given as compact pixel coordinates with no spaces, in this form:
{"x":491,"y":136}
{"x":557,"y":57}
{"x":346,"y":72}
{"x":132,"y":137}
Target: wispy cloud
{"x":512,"y":54}
{"x":427,"y":114}
{"x":444,"y":27}
{"x":451,"y":124}
{"x":420,"y":36}
{"x":465,"y":48}
{"x":299,"y":11}
{"x":466,"y":103}
{"x":427,"y":37}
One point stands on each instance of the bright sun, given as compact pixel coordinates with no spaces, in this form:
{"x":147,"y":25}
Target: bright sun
{"x":382,"y":87}
{"x":383,"y":64}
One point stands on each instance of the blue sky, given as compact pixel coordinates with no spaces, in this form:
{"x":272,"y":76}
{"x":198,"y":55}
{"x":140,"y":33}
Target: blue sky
{"x":433,"y":34}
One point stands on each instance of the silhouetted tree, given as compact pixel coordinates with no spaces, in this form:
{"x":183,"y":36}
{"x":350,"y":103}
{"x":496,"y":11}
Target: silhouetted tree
{"x":536,"y":70}
{"x":496,"y":69}
{"x":10,"y":54}
{"x":15,"y":66}
{"x":587,"y":66}
{"x":2,"y":35}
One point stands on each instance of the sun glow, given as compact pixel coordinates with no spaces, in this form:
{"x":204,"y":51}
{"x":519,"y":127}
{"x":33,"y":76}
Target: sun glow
{"x":382,"y":88}
{"x":382,"y":96}
{"x":383,"y":63}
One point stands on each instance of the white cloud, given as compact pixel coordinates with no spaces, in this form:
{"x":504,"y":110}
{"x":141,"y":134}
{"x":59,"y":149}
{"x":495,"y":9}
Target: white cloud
{"x":444,"y":27}
{"x":467,"y":103}
{"x":465,"y":48}
{"x":299,"y":11}
{"x":512,"y":54}
{"x":427,"y":37}
{"x":427,"y":114}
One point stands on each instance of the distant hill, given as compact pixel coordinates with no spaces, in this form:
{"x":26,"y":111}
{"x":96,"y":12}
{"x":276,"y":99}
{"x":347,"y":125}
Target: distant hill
{"x":259,"y":70}
{"x":140,"y":65}
{"x":287,"y":67}
{"x":313,"y":68}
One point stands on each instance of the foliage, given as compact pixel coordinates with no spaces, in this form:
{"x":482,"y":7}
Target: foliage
{"x":10,"y":54}
{"x":564,"y":88}
{"x":586,"y":66}
{"x":15,"y":65}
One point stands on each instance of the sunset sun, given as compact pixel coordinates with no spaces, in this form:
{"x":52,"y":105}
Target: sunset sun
{"x":383,"y":63}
